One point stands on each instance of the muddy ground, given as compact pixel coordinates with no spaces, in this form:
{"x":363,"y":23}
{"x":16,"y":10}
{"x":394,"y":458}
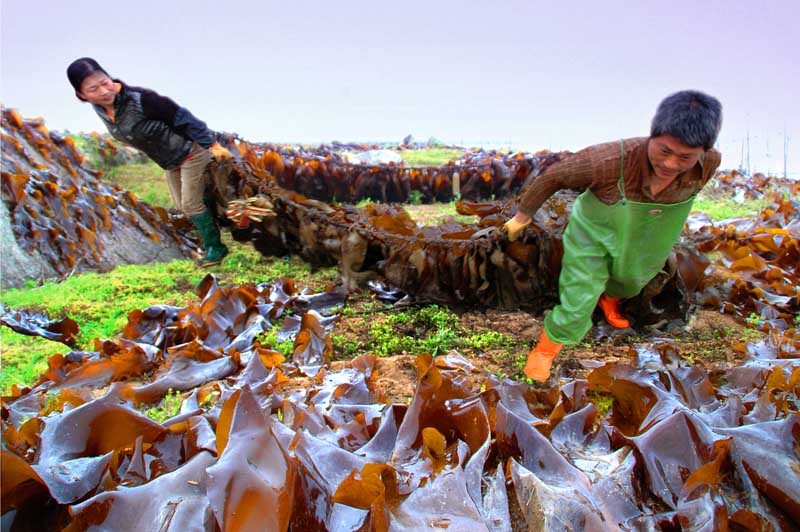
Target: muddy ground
{"x":711,"y":340}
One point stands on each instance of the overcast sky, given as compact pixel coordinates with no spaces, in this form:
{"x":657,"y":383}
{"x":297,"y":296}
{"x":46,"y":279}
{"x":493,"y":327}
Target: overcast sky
{"x":558,"y":75}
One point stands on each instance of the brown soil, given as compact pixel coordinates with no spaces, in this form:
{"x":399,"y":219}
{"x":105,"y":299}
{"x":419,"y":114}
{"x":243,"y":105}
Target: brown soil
{"x":710,"y":339}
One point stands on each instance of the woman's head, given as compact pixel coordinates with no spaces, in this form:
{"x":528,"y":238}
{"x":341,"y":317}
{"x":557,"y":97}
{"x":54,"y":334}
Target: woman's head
{"x":91,"y":82}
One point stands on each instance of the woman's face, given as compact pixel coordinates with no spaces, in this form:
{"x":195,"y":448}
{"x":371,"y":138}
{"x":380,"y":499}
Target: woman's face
{"x":98,"y":89}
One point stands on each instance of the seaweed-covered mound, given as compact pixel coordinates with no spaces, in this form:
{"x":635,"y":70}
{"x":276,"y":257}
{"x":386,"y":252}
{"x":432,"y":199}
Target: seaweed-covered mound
{"x":57,"y":217}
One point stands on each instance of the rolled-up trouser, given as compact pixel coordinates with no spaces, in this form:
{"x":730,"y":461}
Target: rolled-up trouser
{"x":187,"y":183}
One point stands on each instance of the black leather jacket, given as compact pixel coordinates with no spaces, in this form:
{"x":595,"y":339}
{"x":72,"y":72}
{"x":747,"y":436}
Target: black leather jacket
{"x":155,"y":125}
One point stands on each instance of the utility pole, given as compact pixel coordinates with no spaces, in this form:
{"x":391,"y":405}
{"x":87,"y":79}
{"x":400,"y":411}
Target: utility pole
{"x":769,"y":157}
{"x":785,"y":150}
{"x":741,"y":159}
{"x":748,"y":151}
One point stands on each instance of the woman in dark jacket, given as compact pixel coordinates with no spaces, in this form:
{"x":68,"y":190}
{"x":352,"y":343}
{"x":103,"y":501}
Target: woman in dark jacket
{"x":168,"y":134}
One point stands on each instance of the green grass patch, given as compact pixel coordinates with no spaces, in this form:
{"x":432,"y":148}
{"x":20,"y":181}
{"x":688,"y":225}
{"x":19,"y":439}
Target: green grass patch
{"x":436,"y":213}
{"x":430,"y":157}
{"x":270,"y":340}
{"x":146,"y":180}
{"x":431,"y":329}
{"x":722,"y":209}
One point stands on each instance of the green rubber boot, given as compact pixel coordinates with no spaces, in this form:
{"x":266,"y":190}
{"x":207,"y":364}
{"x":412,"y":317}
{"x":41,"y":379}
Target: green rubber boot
{"x":209,"y":233}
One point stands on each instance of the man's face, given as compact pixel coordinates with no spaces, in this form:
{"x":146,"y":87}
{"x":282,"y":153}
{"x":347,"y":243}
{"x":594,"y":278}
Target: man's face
{"x":670,"y":157}
{"x":98,"y":89}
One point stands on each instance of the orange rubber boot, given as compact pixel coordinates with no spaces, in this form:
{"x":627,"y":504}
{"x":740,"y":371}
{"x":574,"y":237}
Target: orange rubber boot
{"x":610,"y":308}
{"x":541,"y":358}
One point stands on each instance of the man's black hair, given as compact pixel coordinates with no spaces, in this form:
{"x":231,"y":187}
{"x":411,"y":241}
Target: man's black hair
{"x":692,"y":117}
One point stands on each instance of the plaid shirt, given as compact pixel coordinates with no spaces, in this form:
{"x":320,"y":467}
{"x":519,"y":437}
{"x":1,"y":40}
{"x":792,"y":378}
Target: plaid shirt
{"x":597,"y":168}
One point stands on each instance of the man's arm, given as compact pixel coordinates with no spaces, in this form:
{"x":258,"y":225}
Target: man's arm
{"x":575,"y":172}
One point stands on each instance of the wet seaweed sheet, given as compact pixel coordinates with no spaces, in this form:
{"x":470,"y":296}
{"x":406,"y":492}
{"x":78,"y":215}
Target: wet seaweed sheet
{"x":681,"y":448}
{"x":64,"y":330}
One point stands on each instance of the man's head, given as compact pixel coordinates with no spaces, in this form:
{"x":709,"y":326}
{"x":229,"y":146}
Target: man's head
{"x":685,"y":125}
{"x":691,"y":117}
{"x":91,"y":82}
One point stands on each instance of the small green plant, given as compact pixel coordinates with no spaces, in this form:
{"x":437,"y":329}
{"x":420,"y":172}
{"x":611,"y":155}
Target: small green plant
{"x":436,"y":316}
{"x":754,"y":320}
{"x":345,"y":348}
{"x":489,"y":340}
{"x":270,"y":339}
{"x":415,"y":197}
{"x":602,"y":401}
{"x":169,"y":407}
{"x":365,"y":202}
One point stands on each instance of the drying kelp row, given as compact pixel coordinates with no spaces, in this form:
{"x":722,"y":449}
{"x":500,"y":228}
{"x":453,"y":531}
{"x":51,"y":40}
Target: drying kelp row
{"x":59,"y":210}
{"x":327,"y":176}
{"x":251,"y":451}
{"x":755,"y":274}
{"x":453,"y":263}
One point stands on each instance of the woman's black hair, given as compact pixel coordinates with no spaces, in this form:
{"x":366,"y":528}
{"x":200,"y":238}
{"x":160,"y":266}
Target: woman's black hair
{"x":80,"y":69}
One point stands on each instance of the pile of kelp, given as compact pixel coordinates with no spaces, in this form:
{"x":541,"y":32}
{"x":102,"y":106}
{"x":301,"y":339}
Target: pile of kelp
{"x":681,"y":448}
{"x":61,"y":210}
{"x":325,"y":175}
{"x":755,"y":260}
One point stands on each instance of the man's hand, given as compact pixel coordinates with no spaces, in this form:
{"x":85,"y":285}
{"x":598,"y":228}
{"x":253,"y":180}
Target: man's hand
{"x":219,"y":152}
{"x":515,"y":225}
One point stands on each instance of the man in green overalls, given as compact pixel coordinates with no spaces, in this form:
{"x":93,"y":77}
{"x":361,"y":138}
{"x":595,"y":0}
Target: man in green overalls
{"x":637,"y":194}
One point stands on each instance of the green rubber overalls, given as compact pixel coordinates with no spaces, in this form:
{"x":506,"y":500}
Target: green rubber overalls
{"x":614,"y":249}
